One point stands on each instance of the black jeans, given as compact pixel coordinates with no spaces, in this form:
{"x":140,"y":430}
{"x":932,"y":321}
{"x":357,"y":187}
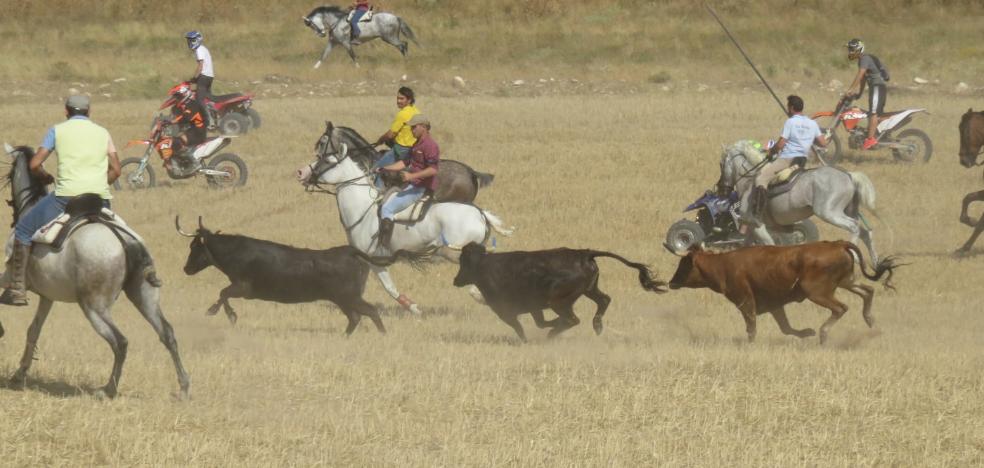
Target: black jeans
{"x":204,"y":91}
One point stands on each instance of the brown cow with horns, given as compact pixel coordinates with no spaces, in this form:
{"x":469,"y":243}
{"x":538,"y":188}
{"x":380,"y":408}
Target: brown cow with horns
{"x":765,"y":278}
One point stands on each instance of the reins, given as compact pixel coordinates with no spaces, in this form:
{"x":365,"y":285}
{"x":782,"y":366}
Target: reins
{"x":315,"y":186}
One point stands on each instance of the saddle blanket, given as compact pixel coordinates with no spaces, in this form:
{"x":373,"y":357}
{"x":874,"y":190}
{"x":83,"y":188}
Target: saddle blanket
{"x":49,"y":232}
{"x":365,"y":18}
{"x":412,"y":213}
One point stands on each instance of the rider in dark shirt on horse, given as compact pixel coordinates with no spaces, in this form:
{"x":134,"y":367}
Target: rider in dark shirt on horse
{"x":360,"y":8}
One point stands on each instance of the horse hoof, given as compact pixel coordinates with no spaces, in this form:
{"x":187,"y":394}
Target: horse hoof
{"x":317,"y":65}
{"x":233,"y":318}
{"x":961,"y":253}
{"x":806,"y":333}
{"x":105,"y":393}
{"x":966,"y":220}
{"x":17,"y":382}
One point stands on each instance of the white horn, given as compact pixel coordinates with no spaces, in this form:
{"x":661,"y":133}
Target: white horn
{"x":9,"y":149}
{"x":177,"y":225}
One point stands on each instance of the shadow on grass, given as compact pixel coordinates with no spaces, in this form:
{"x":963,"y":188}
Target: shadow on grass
{"x":48,"y":387}
{"x":471,"y":338}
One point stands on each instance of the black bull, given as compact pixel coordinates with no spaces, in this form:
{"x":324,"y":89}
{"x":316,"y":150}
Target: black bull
{"x":260,"y":269}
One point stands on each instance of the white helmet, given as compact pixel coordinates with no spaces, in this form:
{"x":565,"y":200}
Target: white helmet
{"x":194,"y":39}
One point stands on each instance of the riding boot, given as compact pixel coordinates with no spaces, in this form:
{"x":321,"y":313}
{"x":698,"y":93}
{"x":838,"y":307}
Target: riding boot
{"x":16,"y":293}
{"x":756,"y":205}
{"x":385,"y":231}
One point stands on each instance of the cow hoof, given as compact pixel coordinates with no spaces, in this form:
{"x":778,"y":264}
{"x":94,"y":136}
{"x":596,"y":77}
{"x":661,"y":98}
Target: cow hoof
{"x":18,"y":381}
{"x":598,"y":326}
{"x":961,"y":253}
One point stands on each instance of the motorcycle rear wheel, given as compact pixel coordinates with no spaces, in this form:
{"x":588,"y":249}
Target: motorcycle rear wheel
{"x":232,"y":164}
{"x":922,"y":146}
{"x":683,"y":234}
{"x":130,"y":180}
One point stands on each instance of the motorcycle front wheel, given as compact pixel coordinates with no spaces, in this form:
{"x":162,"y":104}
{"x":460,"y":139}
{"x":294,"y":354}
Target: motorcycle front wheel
{"x":232,"y":165}
{"x":683,"y":234}
{"x":131,"y":179}
{"x":832,"y":154}
{"x":920,"y":147}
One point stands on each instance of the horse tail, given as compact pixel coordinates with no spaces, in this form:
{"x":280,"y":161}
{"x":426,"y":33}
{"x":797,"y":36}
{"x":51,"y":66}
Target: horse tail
{"x":417,"y":260}
{"x":864,"y":195}
{"x":406,"y":31}
{"x":886,"y":265}
{"x":646,"y":279}
{"x":482,"y":179}
{"x":864,"y":189}
{"x":495,"y":223}
{"x":139,"y":263}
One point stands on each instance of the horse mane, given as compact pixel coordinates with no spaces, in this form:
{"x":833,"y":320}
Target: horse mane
{"x":31,"y":194}
{"x":746,"y":148}
{"x":327,"y":9}
{"x":365,"y":156}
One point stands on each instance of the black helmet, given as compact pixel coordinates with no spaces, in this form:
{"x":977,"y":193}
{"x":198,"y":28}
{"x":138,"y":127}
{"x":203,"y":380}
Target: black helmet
{"x":855,"y":47}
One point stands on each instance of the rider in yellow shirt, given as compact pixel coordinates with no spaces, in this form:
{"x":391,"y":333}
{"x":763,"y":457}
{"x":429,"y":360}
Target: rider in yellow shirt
{"x":399,"y":133}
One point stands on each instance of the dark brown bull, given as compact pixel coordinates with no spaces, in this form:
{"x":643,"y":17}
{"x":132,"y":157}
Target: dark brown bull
{"x":514,"y":283}
{"x":766,"y":278}
{"x":971,"y":140}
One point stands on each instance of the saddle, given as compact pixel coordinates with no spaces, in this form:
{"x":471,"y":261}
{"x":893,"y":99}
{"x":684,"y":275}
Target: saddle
{"x":81,"y":210}
{"x":412,"y":213}
{"x":786,"y":178}
{"x":365,"y":18}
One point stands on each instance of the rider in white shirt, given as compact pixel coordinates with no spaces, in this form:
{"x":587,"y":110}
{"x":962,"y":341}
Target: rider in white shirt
{"x":204,"y":73}
{"x":798,"y":135}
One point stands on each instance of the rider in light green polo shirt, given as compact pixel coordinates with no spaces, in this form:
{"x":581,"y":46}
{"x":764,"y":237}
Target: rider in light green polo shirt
{"x":87,"y":163}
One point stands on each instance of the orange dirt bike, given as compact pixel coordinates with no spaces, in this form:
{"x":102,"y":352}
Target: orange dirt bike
{"x":221,"y":170}
{"x":907,"y":145}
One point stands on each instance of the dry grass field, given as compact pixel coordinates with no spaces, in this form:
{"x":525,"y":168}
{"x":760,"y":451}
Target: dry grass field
{"x":606,"y":162}
{"x":671,"y":382}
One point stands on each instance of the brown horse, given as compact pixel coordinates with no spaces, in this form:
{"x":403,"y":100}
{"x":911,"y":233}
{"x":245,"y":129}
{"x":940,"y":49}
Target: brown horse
{"x":971,"y":140}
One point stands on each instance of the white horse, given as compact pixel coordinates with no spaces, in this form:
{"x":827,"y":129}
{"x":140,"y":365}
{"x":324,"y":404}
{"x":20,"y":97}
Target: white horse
{"x":834,"y":195}
{"x":91,"y":269}
{"x":332,"y":22}
{"x":447,"y":227}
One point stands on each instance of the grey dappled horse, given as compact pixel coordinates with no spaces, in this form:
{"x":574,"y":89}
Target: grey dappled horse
{"x":332,"y":22}
{"x":834,"y":195}
{"x":91,"y":269}
{"x":457,"y":181}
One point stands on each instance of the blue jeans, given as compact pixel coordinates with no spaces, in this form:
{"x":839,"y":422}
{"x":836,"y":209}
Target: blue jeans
{"x":355,"y":21}
{"x":397,"y":152}
{"x":43,"y":212}
{"x":402,"y":200}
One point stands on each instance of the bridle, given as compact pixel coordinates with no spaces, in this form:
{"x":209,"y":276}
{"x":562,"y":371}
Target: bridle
{"x":315,"y":186}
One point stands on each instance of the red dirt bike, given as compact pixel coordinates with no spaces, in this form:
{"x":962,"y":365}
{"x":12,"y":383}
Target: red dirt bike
{"x":908,"y":145}
{"x":223,"y":170}
{"x":233,"y":113}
